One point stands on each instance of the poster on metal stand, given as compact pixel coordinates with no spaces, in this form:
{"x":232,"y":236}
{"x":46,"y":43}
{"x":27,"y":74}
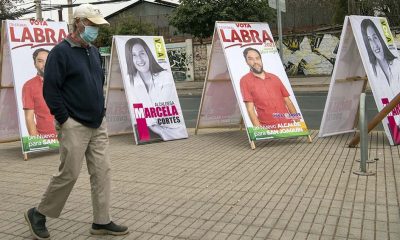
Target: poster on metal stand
{"x":25,"y":47}
{"x":144,"y":75}
{"x":367,"y":53}
{"x":246,"y":80}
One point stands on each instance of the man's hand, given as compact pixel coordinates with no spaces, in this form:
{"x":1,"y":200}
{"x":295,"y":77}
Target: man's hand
{"x":252,"y":114}
{"x":290,"y":105}
{"x":292,"y":110}
{"x":30,"y":122}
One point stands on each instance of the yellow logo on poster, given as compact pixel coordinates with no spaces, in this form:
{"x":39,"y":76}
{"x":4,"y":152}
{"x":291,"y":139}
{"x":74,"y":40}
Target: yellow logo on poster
{"x":160,"y":48}
{"x":386,"y":31}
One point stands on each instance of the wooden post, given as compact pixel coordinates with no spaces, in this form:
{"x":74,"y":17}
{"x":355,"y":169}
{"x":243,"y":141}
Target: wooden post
{"x":109,"y":70}
{"x":2,"y":43}
{"x":252,"y":145}
{"x":3,"y":40}
{"x":351,"y":79}
{"x":70,"y":13}
{"x":25,"y":157}
{"x":38,"y":7}
{"x":377,"y":119}
{"x":201,"y":104}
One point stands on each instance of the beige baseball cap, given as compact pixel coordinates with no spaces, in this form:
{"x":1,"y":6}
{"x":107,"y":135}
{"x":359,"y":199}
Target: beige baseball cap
{"x":90,"y":12}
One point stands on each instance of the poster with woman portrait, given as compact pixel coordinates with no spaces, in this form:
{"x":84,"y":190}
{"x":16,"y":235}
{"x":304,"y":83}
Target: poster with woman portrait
{"x":153,"y":102}
{"x":382,"y":66}
{"x":29,"y":43}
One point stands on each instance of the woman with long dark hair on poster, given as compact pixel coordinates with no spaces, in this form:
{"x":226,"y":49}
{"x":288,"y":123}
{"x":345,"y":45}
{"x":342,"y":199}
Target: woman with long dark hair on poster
{"x":152,"y":85}
{"x":384,"y":63}
{"x":386,"y":67}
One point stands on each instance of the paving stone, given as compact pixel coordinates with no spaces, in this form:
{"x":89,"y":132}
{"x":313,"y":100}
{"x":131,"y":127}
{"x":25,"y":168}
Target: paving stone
{"x":212,"y":186}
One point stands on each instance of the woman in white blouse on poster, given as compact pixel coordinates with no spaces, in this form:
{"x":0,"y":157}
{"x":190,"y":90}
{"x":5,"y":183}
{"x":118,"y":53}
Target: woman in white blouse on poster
{"x":386,"y":68}
{"x":385,"y":64}
{"x":152,"y":84}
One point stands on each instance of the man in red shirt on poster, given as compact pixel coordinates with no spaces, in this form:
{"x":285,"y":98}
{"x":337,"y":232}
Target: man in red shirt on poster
{"x":264,"y":92}
{"x":38,"y":118}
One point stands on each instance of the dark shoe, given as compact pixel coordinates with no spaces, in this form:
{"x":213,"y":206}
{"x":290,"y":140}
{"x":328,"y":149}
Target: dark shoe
{"x":108,"y":229}
{"x":37,"y":224}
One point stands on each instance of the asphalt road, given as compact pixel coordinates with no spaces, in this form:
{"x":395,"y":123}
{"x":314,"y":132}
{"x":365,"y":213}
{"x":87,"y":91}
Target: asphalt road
{"x":312,"y":106}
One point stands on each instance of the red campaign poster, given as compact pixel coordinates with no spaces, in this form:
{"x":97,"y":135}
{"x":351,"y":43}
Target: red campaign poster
{"x":244,"y":57}
{"x":28,"y":44}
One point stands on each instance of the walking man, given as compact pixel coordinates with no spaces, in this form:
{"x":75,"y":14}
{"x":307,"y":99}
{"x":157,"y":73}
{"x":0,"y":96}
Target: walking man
{"x":73,"y":91}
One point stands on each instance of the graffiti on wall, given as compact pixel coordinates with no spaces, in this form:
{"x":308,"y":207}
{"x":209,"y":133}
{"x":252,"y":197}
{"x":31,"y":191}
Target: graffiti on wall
{"x":200,"y":61}
{"x":293,"y":43}
{"x":315,"y":42}
{"x":397,"y":40}
{"x":303,"y":55}
{"x":180,"y":62}
{"x":310,"y":55}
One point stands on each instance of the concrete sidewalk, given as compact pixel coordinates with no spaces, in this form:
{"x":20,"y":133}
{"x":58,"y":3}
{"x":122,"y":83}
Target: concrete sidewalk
{"x":299,"y":84}
{"x":213,"y":186}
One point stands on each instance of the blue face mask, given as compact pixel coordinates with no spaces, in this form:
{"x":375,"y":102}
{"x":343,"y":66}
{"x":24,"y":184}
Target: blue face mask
{"x":90,"y":33}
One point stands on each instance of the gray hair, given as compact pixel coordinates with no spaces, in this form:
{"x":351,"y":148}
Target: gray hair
{"x":74,"y":27}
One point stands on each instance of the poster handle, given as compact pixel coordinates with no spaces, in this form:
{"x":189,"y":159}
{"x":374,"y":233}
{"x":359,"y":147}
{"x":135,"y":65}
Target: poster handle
{"x":25,"y":157}
{"x":309,"y":138}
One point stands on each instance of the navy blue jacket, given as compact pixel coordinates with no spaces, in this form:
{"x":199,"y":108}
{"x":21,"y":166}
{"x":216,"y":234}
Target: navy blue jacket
{"x":73,"y":84}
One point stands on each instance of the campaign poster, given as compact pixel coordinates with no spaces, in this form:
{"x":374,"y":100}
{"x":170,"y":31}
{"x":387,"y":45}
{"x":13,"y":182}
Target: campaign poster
{"x":219,"y":105}
{"x":9,"y":129}
{"x":150,"y":91}
{"x":266,"y":100}
{"x":382,"y":65}
{"x":118,"y":118}
{"x":347,"y":83}
{"x":29,"y":44}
